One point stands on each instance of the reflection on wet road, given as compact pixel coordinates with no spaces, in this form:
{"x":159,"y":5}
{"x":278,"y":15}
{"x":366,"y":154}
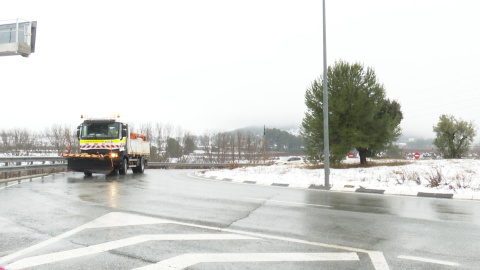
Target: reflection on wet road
{"x":410,"y":232}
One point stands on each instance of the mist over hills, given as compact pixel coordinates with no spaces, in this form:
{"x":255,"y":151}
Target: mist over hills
{"x":292,"y":129}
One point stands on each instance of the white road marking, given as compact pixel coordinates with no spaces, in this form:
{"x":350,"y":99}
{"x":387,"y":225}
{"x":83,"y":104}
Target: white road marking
{"x":286,"y":202}
{"x":117,"y":219}
{"x":187,"y":260}
{"x":420,"y":259}
{"x":114,"y":219}
{"x":378,"y":260}
{"x":80,"y":252}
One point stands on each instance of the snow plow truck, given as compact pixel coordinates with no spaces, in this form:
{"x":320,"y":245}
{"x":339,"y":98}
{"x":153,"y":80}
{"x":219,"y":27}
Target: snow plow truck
{"x":107,"y":146}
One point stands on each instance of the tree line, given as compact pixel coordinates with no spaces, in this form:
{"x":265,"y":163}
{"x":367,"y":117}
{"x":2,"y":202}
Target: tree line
{"x":167,"y":142}
{"x":54,"y":140}
{"x":240,"y":145}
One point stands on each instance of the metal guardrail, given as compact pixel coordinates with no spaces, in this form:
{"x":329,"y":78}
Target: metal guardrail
{"x":25,"y":163}
{"x":29,"y":159}
{"x":32,"y":167}
{"x":168,"y":164}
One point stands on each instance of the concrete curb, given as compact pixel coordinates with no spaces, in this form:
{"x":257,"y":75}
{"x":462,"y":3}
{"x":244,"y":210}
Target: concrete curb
{"x":349,"y":188}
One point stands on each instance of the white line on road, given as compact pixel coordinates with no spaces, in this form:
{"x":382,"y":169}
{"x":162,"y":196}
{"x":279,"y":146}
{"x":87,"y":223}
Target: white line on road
{"x":8,"y":186}
{"x":420,"y":259}
{"x":115,"y":219}
{"x":94,"y":249}
{"x":187,"y":260}
{"x":285,"y":202}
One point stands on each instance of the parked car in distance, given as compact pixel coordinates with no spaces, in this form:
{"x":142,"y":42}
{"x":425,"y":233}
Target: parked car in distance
{"x":290,"y":160}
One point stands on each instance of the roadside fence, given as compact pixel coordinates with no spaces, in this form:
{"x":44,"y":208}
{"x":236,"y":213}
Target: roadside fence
{"x":28,"y":167}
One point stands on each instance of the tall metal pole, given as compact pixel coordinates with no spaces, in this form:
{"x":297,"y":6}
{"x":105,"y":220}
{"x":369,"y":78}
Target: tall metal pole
{"x":326,"y":149}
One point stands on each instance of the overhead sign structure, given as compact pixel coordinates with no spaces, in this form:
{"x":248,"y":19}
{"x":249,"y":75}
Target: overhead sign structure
{"x":17,"y":37}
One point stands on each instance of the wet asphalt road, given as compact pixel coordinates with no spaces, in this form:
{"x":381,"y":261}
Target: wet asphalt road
{"x":166,"y":218}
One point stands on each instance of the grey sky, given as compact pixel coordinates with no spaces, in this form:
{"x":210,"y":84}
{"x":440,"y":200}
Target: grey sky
{"x":221,"y":65}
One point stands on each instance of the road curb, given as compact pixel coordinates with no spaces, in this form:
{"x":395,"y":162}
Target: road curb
{"x":350,"y":188}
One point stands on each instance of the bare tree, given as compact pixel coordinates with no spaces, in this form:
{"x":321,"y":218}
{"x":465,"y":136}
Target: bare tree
{"x":206,"y":145}
{"x":5,"y":146}
{"x":179,"y":133}
{"x":58,"y":137}
{"x":231,"y":140}
{"x":147,"y":130}
{"x":157,"y":131}
{"x":257,"y":146}
{"x":71,"y":139}
{"x":18,"y":142}
{"x":239,"y":143}
{"x":221,"y":142}
{"x":251,"y":146}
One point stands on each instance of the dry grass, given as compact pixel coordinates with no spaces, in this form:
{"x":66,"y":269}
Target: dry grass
{"x":370,"y":164}
{"x":404,"y":176}
{"x":233,"y":165}
{"x":463,"y":181}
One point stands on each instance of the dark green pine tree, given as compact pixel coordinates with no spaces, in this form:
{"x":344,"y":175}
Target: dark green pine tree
{"x":360,"y":116}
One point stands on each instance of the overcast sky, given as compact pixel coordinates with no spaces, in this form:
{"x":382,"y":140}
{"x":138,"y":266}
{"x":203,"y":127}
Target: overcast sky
{"x":222,"y":65}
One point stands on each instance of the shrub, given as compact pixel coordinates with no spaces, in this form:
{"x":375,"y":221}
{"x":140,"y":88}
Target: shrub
{"x":232,"y":165}
{"x":435,"y":178}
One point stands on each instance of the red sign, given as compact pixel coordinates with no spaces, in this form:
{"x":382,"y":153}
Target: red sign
{"x":350,"y":155}
{"x":417,"y":155}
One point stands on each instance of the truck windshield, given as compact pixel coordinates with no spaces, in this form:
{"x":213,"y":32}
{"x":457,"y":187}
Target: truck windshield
{"x":100,"y":131}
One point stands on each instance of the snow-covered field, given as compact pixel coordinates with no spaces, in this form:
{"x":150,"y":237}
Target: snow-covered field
{"x":433,"y":176}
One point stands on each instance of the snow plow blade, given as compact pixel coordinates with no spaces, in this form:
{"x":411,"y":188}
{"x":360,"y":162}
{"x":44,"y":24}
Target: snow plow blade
{"x":89,"y":163}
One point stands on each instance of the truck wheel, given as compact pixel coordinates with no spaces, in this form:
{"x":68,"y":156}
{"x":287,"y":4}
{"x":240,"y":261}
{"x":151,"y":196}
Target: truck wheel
{"x":87,"y":173}
{"x":123,"y":167}
{"x":141,"y":168}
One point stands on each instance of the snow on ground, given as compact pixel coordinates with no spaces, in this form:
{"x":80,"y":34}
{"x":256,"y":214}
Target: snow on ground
{"x":452,"y":176}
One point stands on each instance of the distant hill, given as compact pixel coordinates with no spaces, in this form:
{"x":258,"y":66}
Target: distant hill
{"x":285,"y":139}
{"x":292,"y":129}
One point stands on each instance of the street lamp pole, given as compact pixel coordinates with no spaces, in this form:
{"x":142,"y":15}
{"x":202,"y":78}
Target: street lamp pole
{"x":326,"y":150}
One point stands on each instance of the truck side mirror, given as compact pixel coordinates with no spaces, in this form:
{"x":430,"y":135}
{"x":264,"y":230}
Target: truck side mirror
{"x":78,"y":132}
